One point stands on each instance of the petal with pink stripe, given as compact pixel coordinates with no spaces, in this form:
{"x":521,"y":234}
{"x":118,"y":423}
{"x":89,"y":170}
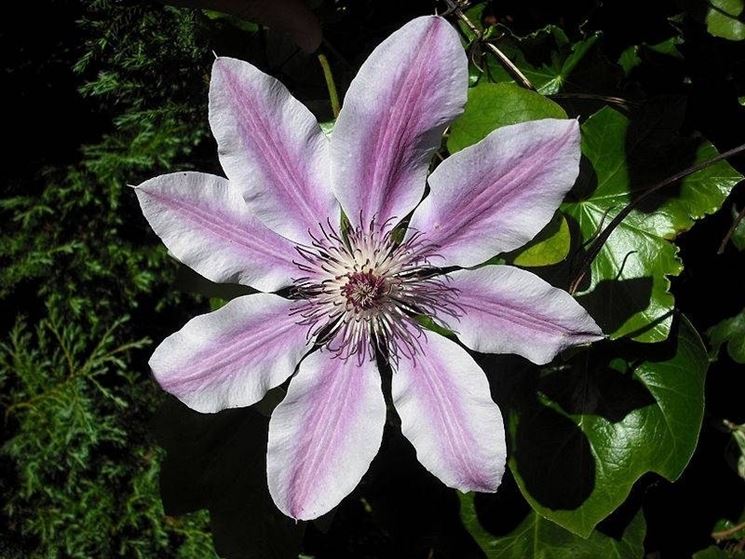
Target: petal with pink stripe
{"x":324,"y":434}
{"x":231,"y":357}
{"x":509,"y":310}
{"x":408,"y":90}
{"x":446,"y":410}
{"x":496,"y":195}
{"x":271,"y":148}
{"x":207,"y":226}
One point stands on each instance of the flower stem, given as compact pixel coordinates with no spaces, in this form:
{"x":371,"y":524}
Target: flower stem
{"x":333,"y":95}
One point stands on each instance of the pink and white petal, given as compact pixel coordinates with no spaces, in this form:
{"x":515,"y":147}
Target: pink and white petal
{"x":412,"y":85}
{"x":231,"y":357}
{"x":509,"y":310}
{"x":324,"y":434}
{"x":271,"y":148}
{"x":496,"y":195}
{"x":207,"y":226}
{"x":446,"y":410}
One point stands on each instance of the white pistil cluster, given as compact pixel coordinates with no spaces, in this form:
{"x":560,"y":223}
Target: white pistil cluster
{"x":363,"y":290}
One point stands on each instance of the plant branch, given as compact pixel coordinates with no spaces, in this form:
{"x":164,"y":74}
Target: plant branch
{"x":616,"y":221}
{"x":515,"y":72}
{"x":620,"y":101}
{"x":725,"y":534}
{"x":731,"y":231}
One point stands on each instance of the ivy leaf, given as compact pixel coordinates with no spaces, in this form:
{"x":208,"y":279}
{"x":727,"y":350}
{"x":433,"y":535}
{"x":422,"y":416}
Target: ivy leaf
{"x":549,"y":247}
{"x":601,"y":421}
{"x":724,"y":19}
{"x":635,"y":55}
{"x":491,"y":106}
{"x":540,"y":538}
{"x":628,"y":292}
{"x":730,"y":331}
{"x":547,"y":58}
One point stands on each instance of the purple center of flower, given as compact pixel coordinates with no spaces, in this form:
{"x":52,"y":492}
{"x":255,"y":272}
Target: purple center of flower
{"x":363,"y":290}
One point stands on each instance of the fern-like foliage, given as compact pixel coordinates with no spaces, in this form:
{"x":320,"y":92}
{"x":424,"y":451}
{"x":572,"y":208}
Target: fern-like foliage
{"x":78,"y":468}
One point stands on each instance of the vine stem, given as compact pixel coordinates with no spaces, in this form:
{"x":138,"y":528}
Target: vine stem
{"x":731,"y":231}
{"x":330,"y":85}
{"x":620,"y":101}
{"x":725,"y":534}
{"x":455,"y":8}
{"x":616,"y":221}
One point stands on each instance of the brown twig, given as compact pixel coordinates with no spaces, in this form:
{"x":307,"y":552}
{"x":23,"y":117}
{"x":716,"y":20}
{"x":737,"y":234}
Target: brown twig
{"x":731,"y":231}
{"x":616,"y":221}
{"x":620,"y":101}
{"x":725,"y":534}
{"x":455,"y":8}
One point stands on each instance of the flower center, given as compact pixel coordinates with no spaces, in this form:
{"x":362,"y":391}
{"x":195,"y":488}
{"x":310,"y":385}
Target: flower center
{"x":362,"y":291}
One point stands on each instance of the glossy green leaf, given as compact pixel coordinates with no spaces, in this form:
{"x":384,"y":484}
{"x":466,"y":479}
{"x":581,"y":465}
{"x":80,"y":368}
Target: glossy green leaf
{"x":549,"y":247}
{"x":539,"y":538}
{"x":724,"y":18}
{"x":628,"y":291}
{"x":731,"y":332}
{"x":491,"y":106}
{"x":547,"y":58}
{"x":604,"y":419}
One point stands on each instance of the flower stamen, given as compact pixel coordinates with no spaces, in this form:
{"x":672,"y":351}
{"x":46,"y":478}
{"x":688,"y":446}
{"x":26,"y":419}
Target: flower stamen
{"x":364,"y":289}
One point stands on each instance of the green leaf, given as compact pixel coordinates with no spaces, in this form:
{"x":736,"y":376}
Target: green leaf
{"x":730,"y":331}
{"x":491,"y":106}
{"x":238,"y":23}
{"x":711,"y":552}
{"x":628,"y":292}
{"x":549,"y":247}
{"x":603,"y":420}
{"x":724,"y":19}
{"x":635,"y":55}
{"x":547,"y":57}
{"x":539,"y":538}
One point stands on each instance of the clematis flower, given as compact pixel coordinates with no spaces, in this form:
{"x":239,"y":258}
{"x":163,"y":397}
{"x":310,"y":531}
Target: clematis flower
{"x":357,"y":287}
